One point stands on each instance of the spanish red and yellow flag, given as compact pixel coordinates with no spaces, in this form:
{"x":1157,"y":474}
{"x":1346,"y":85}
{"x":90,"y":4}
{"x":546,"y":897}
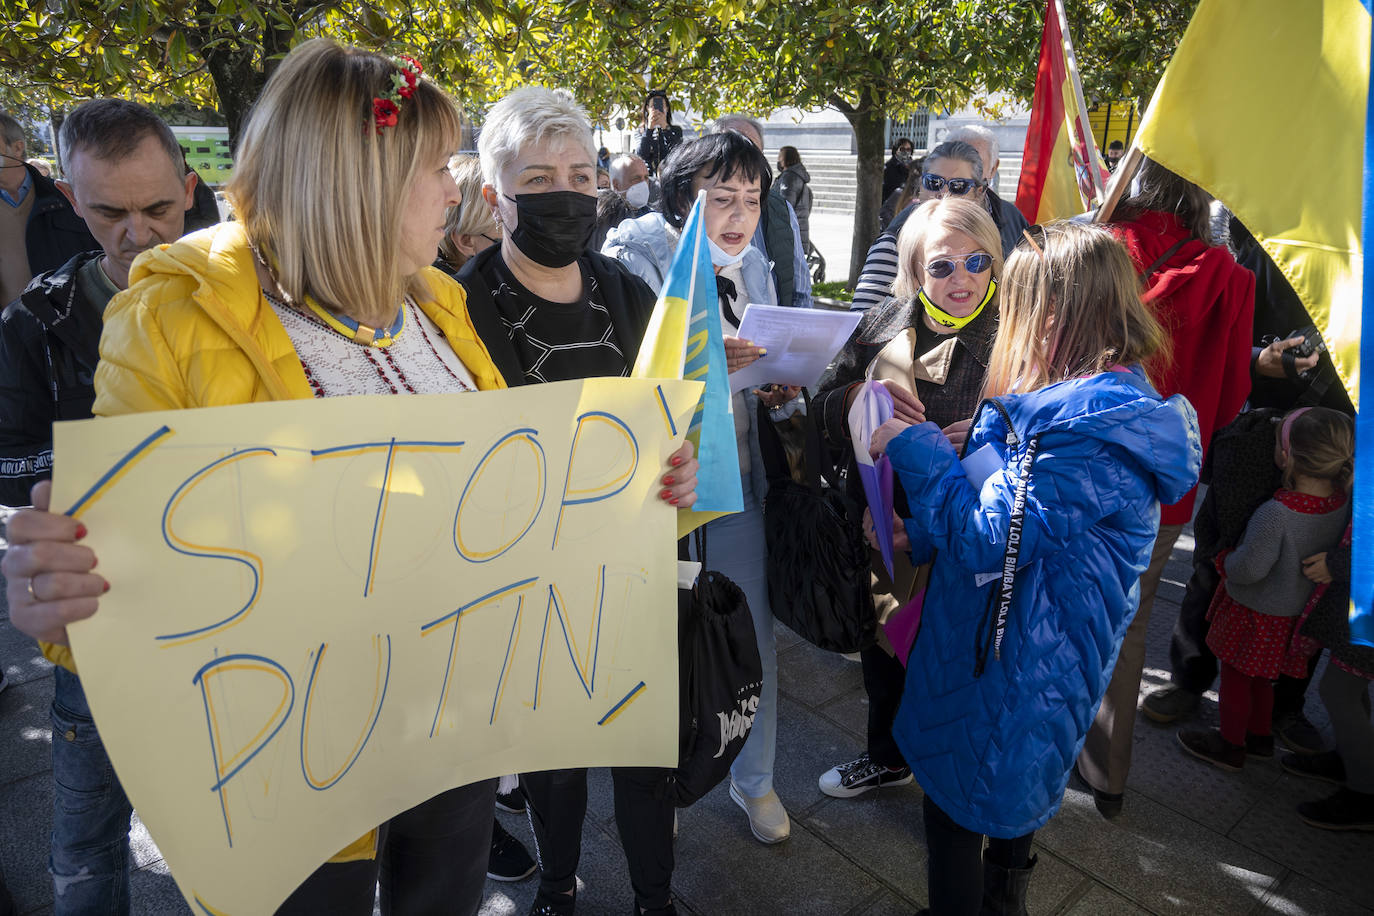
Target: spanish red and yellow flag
{"x":1061,"y":172}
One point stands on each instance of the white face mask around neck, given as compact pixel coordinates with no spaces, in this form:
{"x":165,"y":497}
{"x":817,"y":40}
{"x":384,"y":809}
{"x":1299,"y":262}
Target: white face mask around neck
{"x":721,"y":258}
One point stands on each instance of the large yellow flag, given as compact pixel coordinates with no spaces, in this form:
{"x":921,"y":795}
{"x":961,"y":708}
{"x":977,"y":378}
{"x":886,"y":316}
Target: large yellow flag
{"x":1263,"y":106}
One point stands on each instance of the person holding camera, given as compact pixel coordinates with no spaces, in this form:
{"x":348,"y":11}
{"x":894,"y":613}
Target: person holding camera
{"x":660,"y":134}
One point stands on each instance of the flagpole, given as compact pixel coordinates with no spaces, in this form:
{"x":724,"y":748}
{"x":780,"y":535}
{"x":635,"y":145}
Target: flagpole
{"x":695,"y":214}
{"x":1121,"y":180}
{"x":1090,"y":145}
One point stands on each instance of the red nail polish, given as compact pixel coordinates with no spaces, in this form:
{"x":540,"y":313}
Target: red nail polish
{"x":105,"y":589}
{"x":80,"y":531}
{"x":677,"y":460}
{"x":673,"y":501}
{"x":668,"y":479}
{"x":665,"y":494}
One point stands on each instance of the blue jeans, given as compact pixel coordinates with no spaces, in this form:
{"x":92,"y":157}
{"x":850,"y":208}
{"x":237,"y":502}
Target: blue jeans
{"x":736,"y":546}
{"x":90,"y":858}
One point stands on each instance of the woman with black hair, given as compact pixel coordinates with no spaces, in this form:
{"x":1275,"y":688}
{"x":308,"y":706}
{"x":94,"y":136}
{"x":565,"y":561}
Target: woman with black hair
{"x":896,"y":169}
{"x":735,"y":177}
{"x":659,"y":135}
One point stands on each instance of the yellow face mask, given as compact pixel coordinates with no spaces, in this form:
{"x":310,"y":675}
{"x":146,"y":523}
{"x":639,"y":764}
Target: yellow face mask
{"x":953,"y":321}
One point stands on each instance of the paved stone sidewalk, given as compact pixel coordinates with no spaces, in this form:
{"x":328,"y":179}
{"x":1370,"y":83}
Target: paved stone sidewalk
{"x":1192,"y":840}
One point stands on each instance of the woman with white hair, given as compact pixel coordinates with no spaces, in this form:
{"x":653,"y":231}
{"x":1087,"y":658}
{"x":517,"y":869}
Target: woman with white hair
{"x":548,"y":310}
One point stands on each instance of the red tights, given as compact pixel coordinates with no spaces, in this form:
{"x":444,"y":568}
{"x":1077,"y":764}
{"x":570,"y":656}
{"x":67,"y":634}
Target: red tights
{"x":1247,"y":705}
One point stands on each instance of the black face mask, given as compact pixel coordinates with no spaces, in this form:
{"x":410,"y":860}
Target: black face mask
{"x":555,"y":227}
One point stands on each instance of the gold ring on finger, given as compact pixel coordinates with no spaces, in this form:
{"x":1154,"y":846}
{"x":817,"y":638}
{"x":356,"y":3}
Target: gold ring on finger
{"x":32,"y":593}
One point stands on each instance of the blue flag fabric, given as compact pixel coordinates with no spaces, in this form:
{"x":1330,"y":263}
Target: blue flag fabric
{"x":685,"y":340}
{"x":1362,"y":551}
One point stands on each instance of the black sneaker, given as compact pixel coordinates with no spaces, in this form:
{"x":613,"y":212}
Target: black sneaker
{"x":1169,"y":704}
{"x":859,"y":775}
{"x":1208,"y":744}
{"x":1325,"y":767}
{"x":1298,"y":734}
{"x":510,"y":802}
{"x":1346,"y":810}
{"x":547,"y":904}
{"x":1259,"y":745}
{"x":509,"y":861}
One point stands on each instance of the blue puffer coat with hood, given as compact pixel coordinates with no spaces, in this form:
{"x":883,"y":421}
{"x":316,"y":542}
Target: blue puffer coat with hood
{"x":993,"y":747}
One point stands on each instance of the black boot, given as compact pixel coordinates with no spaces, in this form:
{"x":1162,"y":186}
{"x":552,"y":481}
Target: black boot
{"x":1004,"y":889}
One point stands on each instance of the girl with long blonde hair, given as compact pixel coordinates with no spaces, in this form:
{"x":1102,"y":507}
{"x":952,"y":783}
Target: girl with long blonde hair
{"x":1038,"y":537}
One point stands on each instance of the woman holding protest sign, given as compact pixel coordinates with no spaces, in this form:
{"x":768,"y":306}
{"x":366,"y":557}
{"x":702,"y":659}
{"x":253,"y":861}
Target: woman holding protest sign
{"x":549,"y":310}
{"x":1038,"y":538}
{"x":929,"y":345}
{"x":735,"y":177}
{"x":321,"y":288}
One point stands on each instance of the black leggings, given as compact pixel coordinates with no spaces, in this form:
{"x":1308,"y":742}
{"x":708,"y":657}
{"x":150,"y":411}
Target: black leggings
{"x":431,"y":859}
{"x":557,"y":805}
{"x":955,"y":862}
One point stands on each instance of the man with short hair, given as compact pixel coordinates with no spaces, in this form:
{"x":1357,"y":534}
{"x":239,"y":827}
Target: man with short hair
{"x":1115,"y":150}
{"x":630,"y":179}
{"x":778,"y":234}
{"x":38,"y":230}
{"x":125,"y":176}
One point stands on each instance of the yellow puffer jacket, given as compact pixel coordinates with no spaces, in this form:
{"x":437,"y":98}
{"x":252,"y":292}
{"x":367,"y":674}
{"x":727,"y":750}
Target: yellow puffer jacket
{"x":193,"y":330}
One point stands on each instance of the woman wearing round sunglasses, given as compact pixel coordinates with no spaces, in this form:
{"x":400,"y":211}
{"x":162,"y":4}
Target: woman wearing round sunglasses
{"x":929,"y":345}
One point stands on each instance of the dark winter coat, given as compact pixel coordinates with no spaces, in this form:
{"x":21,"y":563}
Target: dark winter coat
{"x":55,"y":234}
{"x":49,"y":347}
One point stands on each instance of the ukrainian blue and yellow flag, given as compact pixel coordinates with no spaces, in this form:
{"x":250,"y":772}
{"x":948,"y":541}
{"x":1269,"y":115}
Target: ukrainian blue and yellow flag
{"x":1263,"y":105}
{"x":1362,"y":551}
{"x":684,"y":340}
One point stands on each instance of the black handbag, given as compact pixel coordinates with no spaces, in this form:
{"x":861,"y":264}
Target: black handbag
{"x":818,"y":563}
{"x":720,"y":678}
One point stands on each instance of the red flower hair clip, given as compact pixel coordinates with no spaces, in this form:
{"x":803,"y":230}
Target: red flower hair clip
{"x":387,"y":106}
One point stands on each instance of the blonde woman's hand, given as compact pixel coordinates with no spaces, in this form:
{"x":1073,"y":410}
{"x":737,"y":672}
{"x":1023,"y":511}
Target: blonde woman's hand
{"x":957,"y":433}
{"x":49,"y":578}
{"x":905,"y":405}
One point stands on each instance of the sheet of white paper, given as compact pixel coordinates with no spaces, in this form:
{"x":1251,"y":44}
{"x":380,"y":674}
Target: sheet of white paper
{"x":800,"y":344}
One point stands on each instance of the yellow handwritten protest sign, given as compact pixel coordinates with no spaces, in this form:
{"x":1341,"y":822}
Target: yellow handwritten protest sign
{"x":323,"y":613}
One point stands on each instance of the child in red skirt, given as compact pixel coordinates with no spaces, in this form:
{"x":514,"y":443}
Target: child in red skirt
{"x":1254,"y":616}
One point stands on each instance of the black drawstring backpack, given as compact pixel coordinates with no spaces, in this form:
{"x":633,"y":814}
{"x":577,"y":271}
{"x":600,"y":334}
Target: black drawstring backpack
{"x":720,"y":679}
{"x":818,"y":563}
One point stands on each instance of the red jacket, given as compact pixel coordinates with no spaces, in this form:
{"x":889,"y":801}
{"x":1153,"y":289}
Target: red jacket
{"x":1206,"y":302}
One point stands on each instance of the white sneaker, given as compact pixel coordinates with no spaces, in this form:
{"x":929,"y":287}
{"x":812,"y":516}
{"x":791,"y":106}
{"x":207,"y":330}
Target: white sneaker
{"x":767,"y":817}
